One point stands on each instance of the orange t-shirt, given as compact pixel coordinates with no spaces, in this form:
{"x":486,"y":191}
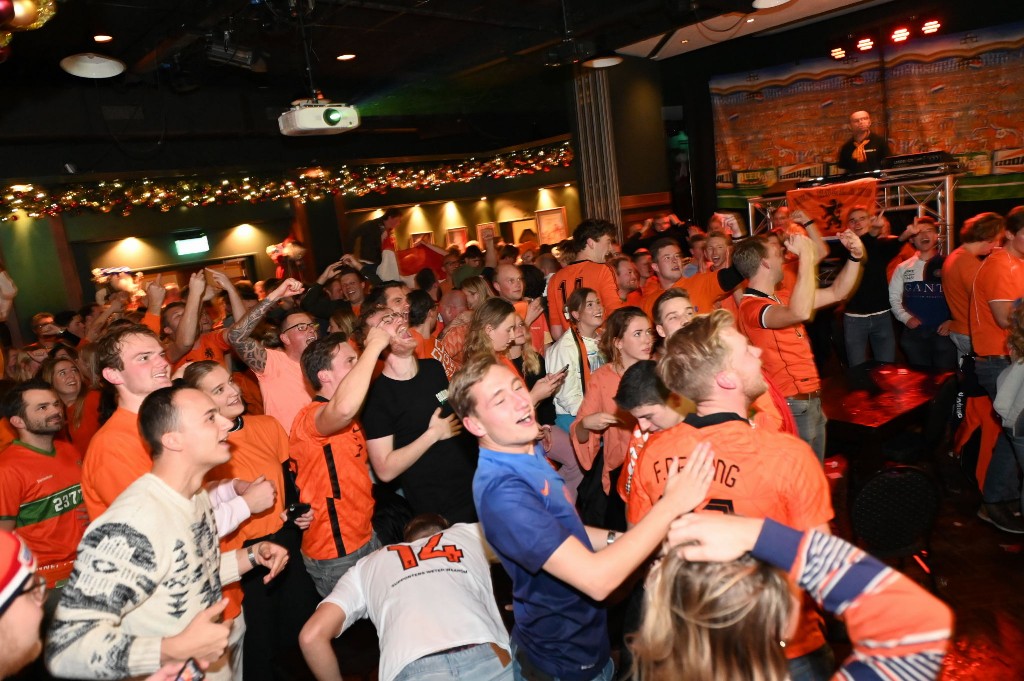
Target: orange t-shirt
{"x":81,"y":435}
{"x":424,"y":345}
{"x":333,"y":477}
{"x":260,"y":447}
{"x":213,"y":345}
{"x":600,"y":397}
{"x":786,"y":353}
{"x":1000,"y":278}
{"x":540,"y":332}
{"x":958,"y":273}
{"x":116,"y":458}
{"x":758,"y":474}
{"x":582,"y":274}
{"x":42,"y":493}
{"x":283,"y":387}
{"x":634,"y":298}
{"x":702,"y":288}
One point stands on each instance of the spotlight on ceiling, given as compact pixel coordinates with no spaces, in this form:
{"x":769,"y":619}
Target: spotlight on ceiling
{"x":602,"y":60}
{"x":865,"y":44}
{"x":900,"y":34}
{"x":92,"y":65}
{"x":838,"y":53}
{"x":931,"y":27}
{"x":102,"y":38}
{"x":768,"y":4}
{"x":346,"y":57}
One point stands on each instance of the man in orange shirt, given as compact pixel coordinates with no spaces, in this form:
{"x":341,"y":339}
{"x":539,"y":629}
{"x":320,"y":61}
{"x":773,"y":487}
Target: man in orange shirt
{"x":758,"y":473}
{"x":329,"y":451}
{"x":627,"y":278}
{"x":998,"y":287}
{"x":704,"y":288}
{"x":187,"y":327}
{"x":592,"y":240}
{"x":423,"y":322}
{"x":508,"y":282}
{"x":978,"y":237}
{"x":41,"y":482}
{"x":279,"y":373}
{"x":774,"y":323}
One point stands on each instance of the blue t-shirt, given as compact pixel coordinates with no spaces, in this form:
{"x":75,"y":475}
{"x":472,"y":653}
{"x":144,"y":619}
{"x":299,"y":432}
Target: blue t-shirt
{"x":526,"y":515}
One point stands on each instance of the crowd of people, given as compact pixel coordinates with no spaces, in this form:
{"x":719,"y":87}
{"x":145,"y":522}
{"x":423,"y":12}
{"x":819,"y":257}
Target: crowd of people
{"x":207,"y":479}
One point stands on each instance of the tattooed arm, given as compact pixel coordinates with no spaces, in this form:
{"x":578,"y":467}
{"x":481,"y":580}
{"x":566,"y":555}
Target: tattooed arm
{"x":251,"y":351}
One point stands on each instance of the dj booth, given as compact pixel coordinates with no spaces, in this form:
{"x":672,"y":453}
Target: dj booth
{"x":924,"y":183}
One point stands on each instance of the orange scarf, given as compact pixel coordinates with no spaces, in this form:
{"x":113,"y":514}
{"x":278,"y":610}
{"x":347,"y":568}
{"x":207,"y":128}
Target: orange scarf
{"x":859,"y":155}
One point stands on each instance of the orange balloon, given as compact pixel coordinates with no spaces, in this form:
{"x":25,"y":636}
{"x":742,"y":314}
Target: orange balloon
{"x":25,"y":14}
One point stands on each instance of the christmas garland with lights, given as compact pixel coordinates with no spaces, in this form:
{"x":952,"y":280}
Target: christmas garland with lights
{"x":123,"y":197}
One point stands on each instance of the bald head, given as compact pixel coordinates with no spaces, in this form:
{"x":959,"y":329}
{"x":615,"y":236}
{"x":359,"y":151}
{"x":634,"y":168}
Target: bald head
{"x":860,"y":124}
{"x":508,"y":279}
{"x":452,"y":304}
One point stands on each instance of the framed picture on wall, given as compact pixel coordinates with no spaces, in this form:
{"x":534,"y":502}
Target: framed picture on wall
{"x":456,"y":236}
{"x":485,"y":231}
{"x":551,"y":225}
{"x":420,"y":237}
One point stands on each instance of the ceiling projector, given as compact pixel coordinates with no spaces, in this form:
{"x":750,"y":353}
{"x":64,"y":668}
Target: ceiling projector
{"x":317,"y":118}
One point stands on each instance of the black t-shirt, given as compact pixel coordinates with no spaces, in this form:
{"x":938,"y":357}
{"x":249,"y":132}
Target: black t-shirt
{"x":876,"y":150}
{"x":441,"y":481}
{"x":546,"y":409}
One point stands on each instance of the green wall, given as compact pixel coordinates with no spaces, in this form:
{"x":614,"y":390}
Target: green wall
{"x":30,"y":254}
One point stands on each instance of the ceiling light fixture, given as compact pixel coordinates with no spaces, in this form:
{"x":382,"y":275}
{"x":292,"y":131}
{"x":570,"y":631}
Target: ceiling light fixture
{"x":92,"y":65}
{"x":768,"y":4}
{"x":931,"y":27}
{"x":900,"y":34}
{"x":346,"y":57}
{"x":750,"y":20}
{"x":838,"y":53}
{"x":683,"y":41}
{"x":602,"y":60}
{"x":865,"y":44}
{"x":102,"y":38}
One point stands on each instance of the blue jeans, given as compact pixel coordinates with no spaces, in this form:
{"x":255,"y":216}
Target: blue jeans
{"x":326,"y":573}
{"x":876,"y":330}
{"x":810,"y":423}
{"x":607,"y":673}
{"x":478,"y":663}
{"x":1002,"y":481}
{"x":818,"y":665}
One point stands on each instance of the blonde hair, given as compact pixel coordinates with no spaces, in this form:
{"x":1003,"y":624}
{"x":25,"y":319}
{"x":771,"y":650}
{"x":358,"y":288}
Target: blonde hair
{"x":1016,"y":340}
{"x":491,"y":314}
{"x":531,"y":358}
{"x":479,"y":286}
{"x":694,"y":354}
{"x":713,"y":622}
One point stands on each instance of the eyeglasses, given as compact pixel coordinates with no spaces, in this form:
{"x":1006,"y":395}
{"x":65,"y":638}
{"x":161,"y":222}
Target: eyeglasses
{"x":36,"y":587}
{"x":303,"y":326}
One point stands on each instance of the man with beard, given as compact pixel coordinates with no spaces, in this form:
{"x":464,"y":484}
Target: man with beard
{"x":278,"y":371}
{"x":41,"y":482}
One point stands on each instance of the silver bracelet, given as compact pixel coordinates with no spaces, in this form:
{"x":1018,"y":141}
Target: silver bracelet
{"x":252,"y":556}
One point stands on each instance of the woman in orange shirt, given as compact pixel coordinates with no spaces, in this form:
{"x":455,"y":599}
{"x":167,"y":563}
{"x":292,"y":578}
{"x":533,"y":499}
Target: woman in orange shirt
{"x":627,"y":339}
{"x":81,"y":403}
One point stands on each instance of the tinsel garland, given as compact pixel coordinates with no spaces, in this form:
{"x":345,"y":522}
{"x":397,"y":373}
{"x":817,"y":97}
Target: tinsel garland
{"x":123,"y":197}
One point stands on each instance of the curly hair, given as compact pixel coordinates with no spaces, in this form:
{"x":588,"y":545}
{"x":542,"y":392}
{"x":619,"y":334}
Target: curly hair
{"x":1016,"y":341}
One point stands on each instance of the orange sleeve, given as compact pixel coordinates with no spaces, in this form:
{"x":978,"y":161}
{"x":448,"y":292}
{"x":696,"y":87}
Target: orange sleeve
{"x":110,"y":466}
{"x":587,"y":451}
{"x":809,"y":501}
{"x":608,"y":291}
{"x":556,"y":302}
{"x":152,"y":322}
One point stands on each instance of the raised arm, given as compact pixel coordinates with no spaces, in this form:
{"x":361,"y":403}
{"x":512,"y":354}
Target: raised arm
{"x":235,"y":300}
{"x":801,"y":302}
{"x":251,"y":351}
{"x":188,"y":326}
{"x":350,"y":394}
{"x":846,"y":281}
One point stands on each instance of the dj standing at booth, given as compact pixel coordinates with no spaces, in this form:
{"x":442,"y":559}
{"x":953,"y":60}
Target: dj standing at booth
{"x":864,"y":151}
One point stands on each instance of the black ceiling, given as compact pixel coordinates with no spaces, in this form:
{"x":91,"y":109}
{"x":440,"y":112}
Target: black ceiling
{"x":424,"y":44}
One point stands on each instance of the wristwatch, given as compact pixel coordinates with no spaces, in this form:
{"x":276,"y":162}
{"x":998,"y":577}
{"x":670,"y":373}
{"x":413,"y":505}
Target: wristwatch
{"x":612,"y":536}
{"x":252,"y":556}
